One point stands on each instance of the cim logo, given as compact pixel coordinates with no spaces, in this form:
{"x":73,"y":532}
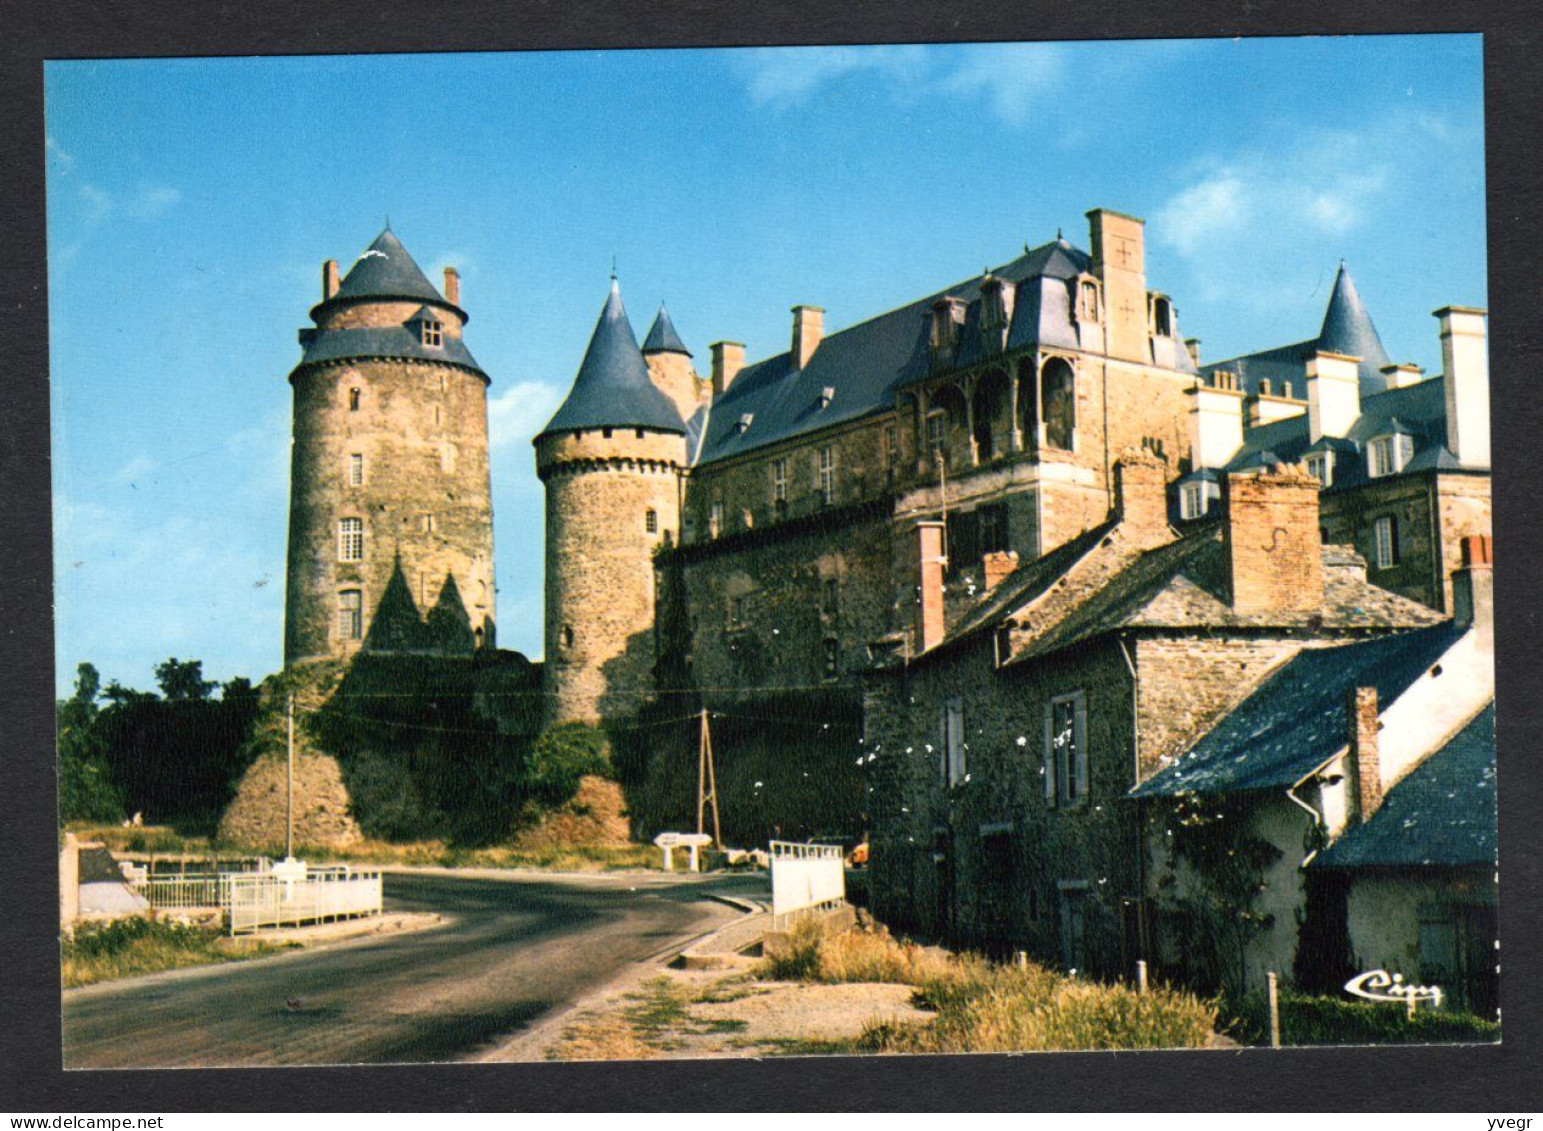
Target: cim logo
{"x":1379,"y":985}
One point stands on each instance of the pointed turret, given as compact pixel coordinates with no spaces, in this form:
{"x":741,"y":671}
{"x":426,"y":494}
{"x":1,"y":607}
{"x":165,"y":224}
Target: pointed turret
{"x":613,"y":389}
{"x":662,"y":337}
{"x":1347,"y":329}
{"x":385,"y":270}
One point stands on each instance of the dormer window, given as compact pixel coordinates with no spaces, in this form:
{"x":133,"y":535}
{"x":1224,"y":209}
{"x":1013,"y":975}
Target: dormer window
{"x":1087,"y":301}
{"x":1320,"y":465}
{"x":745,"y":421}
{"x":1162,"y":317}
{"x":433,"y":333}
{"x":947,"y":314}
{"x":1192,"y":500}
{"x":993,"y":311}
{"x":1388,"y":455}
{"x":827,"y":395}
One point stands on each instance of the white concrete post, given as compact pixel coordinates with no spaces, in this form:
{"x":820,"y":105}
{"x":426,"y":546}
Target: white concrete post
{"x":1274,"y":1010}
{"x":1141,"y":975}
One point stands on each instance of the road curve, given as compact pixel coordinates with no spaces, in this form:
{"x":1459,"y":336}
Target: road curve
{"x":510,"y":952}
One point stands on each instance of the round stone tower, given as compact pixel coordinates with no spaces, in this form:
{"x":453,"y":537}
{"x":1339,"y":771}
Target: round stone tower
{"x":390,"y":513}
{"x":611,"y":460}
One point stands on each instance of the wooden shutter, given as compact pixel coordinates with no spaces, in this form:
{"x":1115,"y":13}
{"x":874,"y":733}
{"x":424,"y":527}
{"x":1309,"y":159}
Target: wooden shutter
{"x":1080,"y":731}
{"x":1050,"y":788}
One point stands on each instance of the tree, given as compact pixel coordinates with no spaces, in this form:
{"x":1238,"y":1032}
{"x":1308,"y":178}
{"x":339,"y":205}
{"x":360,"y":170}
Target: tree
{"x":86,"y":790}
{"x":180,"y":681}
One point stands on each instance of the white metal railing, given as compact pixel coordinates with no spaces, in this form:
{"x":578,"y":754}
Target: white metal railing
{"x":190,"y":890}
{"x":806,"y":876}
{"x":257,"y":901}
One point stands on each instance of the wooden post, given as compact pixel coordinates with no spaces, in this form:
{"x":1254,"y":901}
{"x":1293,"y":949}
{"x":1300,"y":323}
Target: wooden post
{"x":289,"y":776}
{"x":1141,"y":975}
{"x":706,"y":785}
{"x":1274,"y":1010}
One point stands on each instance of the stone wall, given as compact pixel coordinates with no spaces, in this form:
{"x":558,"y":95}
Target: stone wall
{"x":425,"y":500}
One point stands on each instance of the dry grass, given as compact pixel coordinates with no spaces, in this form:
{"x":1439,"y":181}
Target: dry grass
{"x":125,"y":948}
{"x":985,"y":1007}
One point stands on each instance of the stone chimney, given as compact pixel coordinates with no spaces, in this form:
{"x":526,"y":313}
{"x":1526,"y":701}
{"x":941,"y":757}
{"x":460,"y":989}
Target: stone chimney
{"x":329,"y":279}
{"x":1274,"y":559}
{"x":1333,"y":394}
{"x":1119,"y":260}
{"x":452,"y":286}
{"x":1402,"y":376}
{"x":1473,"y":588}
{"x":997,"y":565}
{"x":1141,"y":495}
{"x":1465,"y":381}
{"x":728,"y":360}
{"x":1215,"y":420}
{"x":929,"y":589}
{"x":1192,"y":347}
{"x":1363,"y":763}
{"x":808,"y":326}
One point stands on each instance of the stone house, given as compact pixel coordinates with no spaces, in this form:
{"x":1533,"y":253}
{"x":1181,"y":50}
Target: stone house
{"x":1360,"y":779}
{"x":1003,"y":746}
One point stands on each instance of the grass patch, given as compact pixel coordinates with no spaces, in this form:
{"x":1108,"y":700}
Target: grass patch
{"x":985,"y":1007}
{"x":425,"y":853}
{"x":1310,"y":1020}
{"x":124,"y":948}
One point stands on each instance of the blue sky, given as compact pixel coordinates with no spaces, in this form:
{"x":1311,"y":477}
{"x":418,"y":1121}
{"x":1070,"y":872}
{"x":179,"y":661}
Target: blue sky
{"x":191,"y":203}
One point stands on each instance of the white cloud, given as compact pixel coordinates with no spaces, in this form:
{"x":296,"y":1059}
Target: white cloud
{"x":98,"y":201}
{"x":151,"y":201}
{"x":1011,"y":77}
{"x":1200,"y":211}
{"x":517,"y":413}
{"x":788,"y":76}
{"x":62,"y":160}
{"x":136,"y":469}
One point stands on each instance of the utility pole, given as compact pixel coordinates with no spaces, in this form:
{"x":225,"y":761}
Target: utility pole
{"x":289,"y":776}
{"x":707,"y":783}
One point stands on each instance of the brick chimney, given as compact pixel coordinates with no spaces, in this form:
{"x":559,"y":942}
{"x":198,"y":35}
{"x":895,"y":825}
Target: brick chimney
{"x":1271,"y":541}
{"x":1363,"y":763}
{"x":452,"y":286}
{"x":1141,"y":494}
{"x":1333,"y":394}
{"x":929,"y":589}
{"x":1465,"y":376}
{"x":808,"y":327}
{"x":728,"y":360}
{"x":329,"y":279}
{"x":997,"y":565}
{"x":1473,"y":588}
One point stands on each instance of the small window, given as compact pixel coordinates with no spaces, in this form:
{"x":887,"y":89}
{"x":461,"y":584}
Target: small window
{"x":356,"y":470}
{"x":428,"y":524}
{"x":1192,"y":500}
{"x":1385,"y":530}
{"x":605,"y":433}
{"x":1320,"y":465}
{"x":1323,"y":535}
{"x":1162,"y":318}
{"x":637,"y":433}
{"x":1087,"y":309}
{"x":827,"y":476}
{"x":715,"y":519}
{"x":832,"y":659}
{"x":353,"y":400}
{"x":891,"y":447}
{"x":779,"y":486}
{"x":936,"y":423}
{"x":952,"y":765}
{"x":567,"y":636}
{"x":351,"y":540}
{"x":433,"y":332}
{"x":351,"y":614}
{"x":1388,"y":455}
{"x":1066,"y":750}
{"x":830,"y":597}
{"x":651,"y":521}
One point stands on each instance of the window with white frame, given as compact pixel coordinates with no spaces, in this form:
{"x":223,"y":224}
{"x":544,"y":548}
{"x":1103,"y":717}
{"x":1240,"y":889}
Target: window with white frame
{"x":1388,"y":455}
{"x":351,"y":540}
{"x":433,"y":332}
{"x":1066,"y":750}
{"x":1385,"y":531}
{"x":1192,"y":500}
{"x":1320,"y":465}
{"x":351,"y":614}
{"x":715,"y":519}
{"x":827,"y":476}
{"x":937,"y":422}
{"x":952,"y":762}
{"x":779,"y":486}
{"x":356,"y":470}
{"x":651,"y":521}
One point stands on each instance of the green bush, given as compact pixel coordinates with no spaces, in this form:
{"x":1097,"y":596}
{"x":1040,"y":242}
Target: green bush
{"x":1306,"y":1020}
{"x":563,"y":755}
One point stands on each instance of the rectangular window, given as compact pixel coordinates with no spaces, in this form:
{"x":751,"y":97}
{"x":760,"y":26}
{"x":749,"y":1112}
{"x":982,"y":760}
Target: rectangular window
{"x":1321,"y":468}
{"x":356,"y":470}
{"x":715,"y":519}
{"x":832,"y":659}
{"x":351,"y":614}
{"x":779,"y":486}
{"x":1192,"y":500}
{"x":827,"y":476}
{"x":433,"y":333}
{"x":1387,"y":455}
{"x":952,"y":763}
{"x":651,"y":521}
{"x":891,"y":447}
{"x":1073,"y":899}
{"x":935,"y":425}
{"x":351,"y":540}
{"x":830,"y":597}
{"x":1066,"y":750}
{"x":1386,"y":531}
{"x":428,"y":524}
{"x":353,"y":400}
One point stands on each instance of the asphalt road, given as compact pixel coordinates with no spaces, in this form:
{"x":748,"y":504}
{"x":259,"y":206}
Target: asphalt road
{"x":510,"y":952}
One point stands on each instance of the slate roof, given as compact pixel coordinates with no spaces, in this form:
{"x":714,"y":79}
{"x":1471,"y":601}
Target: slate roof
{"x":386,"y":342}
{"x":1347,"y":328}
{"x":867,"y":363}
{"x":1297,"y":718}
{"x":385,"y":270}
{"x":662,"y":337}
{"x":613,"y":389}
{"x":1442,"y":814}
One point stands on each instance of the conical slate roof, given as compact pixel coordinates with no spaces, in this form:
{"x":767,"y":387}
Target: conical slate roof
{"x":1348,"y":329}
{"x":612,"y":389}
{"x":385,"y":270}
{"x":662,"y":337}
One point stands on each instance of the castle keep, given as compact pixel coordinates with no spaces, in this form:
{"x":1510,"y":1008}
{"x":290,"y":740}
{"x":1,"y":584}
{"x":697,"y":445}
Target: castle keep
{"x":391,"y":515}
